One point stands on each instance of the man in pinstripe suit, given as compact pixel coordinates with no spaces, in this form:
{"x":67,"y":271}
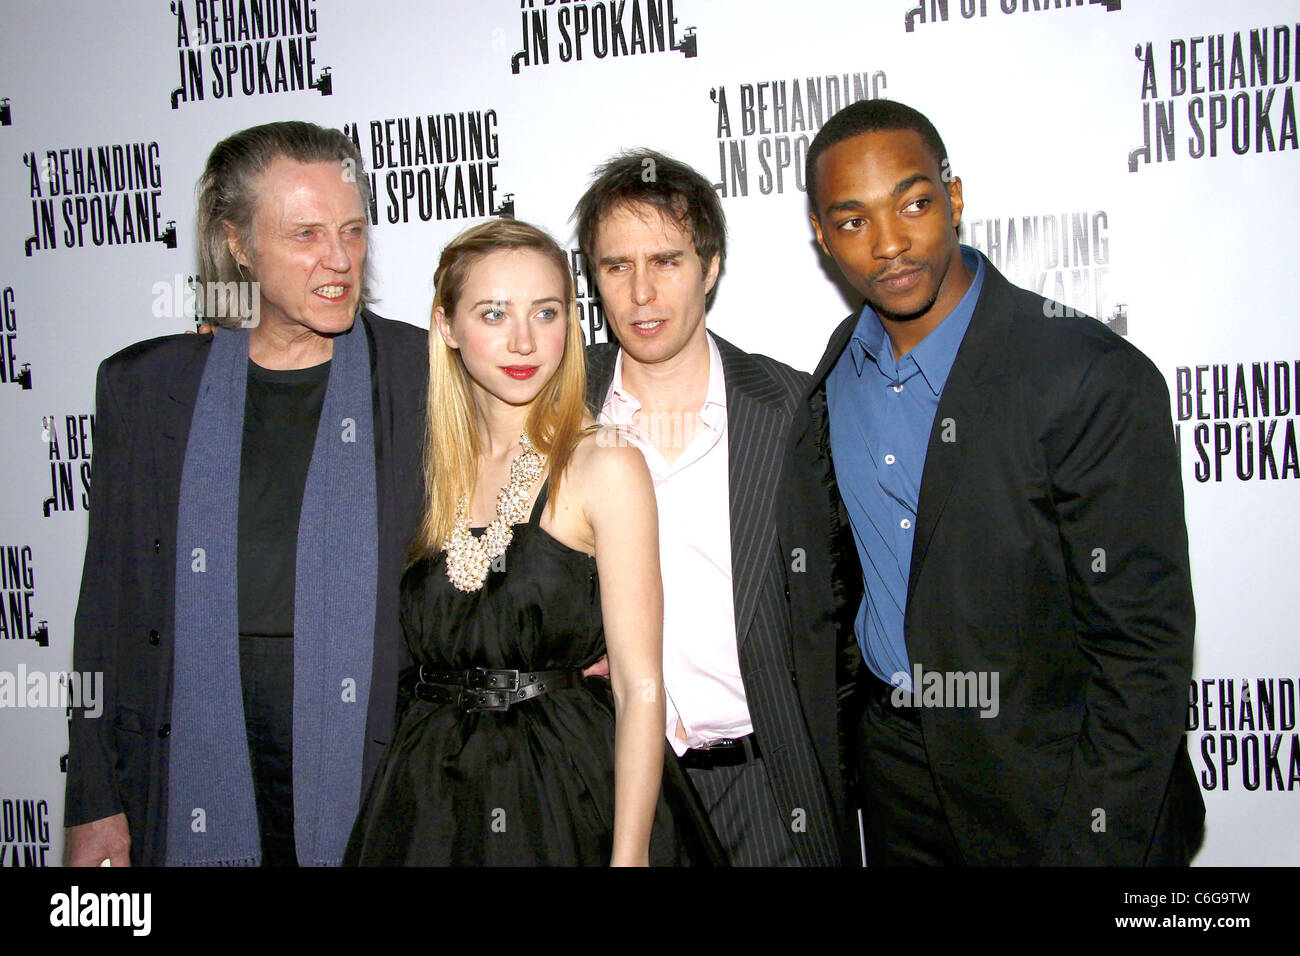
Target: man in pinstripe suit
{"x":712,"y":422}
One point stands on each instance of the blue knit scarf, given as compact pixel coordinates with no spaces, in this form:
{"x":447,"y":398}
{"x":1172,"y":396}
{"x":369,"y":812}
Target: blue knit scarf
{"x":211,"y":808}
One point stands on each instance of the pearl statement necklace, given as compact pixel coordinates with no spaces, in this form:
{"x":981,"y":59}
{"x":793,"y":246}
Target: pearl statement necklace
{"x":468,"y":557}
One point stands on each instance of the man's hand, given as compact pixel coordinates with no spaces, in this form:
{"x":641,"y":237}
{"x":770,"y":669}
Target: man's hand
{"x":92,"y":843}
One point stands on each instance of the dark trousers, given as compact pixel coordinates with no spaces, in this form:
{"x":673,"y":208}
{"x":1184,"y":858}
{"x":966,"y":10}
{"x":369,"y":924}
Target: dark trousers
{"x":744,"y":815}
{"x":904,"y":824}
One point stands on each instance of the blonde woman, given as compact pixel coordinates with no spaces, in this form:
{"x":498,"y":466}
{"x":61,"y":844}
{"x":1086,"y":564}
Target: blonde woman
{"x":537,"y":554}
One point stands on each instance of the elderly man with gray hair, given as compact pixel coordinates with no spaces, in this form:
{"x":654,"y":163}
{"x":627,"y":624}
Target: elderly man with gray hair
{"x":254,"y":492}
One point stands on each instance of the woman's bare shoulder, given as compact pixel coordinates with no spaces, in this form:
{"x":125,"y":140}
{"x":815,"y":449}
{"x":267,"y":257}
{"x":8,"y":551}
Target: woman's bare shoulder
{"x":604,"y":454}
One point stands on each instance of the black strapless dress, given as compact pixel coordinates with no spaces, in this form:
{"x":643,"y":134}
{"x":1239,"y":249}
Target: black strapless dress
{"x":531,"y":785}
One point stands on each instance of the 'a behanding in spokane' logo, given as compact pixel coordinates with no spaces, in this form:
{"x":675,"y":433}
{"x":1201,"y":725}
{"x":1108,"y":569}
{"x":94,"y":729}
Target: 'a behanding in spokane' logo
{"x":779,"y":118}
{"x":101,"y":195}
{"x":596,"y":30}
{"x":25,"y":831}
{"x":231,"y":48}
{"x":432,"y":166}
{"x":13,"y":371}
{"x":1064,"y":257}
{"x":19,"y":621}
{"x":1227,"y":94}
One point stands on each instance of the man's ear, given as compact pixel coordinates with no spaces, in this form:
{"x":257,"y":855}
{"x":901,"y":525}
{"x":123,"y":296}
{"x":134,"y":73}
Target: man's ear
{"x":711,"y":276}
{"x":955,"y":200}
{"x":235,"y":242}
{"x":817,"y":228}
{"x":443,"y":325}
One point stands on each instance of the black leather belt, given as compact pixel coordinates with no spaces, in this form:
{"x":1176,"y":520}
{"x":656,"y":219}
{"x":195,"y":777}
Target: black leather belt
{"x":884,"y":695}
{"x":481,"y":688}
{"x":729,"y":752}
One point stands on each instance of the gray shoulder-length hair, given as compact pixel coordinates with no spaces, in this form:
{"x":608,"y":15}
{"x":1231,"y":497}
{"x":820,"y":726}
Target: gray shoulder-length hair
{"x":227,"y":192}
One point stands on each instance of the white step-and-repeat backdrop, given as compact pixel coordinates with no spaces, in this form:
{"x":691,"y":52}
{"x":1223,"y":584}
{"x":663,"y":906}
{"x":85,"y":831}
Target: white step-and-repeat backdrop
{"x":1135,"y":160}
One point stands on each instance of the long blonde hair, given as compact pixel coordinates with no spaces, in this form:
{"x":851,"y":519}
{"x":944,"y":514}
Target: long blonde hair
{"x":554,"y":420}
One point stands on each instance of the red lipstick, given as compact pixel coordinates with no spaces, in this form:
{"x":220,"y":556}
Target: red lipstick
{"x":520,"y":372}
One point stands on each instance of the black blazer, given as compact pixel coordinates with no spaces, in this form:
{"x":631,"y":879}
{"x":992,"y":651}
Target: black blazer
{"x":1050,"y":548}
{"x":144,"y":400}
{"x":761,"y":395}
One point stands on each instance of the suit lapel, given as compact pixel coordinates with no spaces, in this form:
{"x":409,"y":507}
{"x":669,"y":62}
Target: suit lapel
{"x":963,"y":407}
{"x":173,"y":430}
{"x":756,"y":432}
{"x":600,"y":372}
{"x":834,"y":349}
{"x":383,"y":426}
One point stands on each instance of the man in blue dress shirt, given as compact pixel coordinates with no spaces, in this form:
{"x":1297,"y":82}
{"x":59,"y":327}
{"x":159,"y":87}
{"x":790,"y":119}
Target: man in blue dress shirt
{"x":882,"y":410}
{"x":1018,"y":558}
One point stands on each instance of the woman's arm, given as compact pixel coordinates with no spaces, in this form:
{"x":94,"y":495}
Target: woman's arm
{"x":619,"y":503}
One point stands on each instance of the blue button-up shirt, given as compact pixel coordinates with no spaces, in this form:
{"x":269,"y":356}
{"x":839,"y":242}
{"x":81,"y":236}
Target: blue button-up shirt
{"x":881,"y":414}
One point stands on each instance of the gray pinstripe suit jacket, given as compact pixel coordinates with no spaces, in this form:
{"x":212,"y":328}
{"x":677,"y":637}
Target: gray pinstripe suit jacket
{"x":762,"y":394}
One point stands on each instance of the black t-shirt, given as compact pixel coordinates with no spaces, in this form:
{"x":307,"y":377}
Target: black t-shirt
{"x":281,"y":413}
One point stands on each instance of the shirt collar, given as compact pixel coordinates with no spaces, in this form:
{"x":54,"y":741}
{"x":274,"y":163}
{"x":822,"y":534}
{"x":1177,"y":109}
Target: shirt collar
{"x":869,"y":341}
{"x":935,"y":353}
{"x":621,"y":406}
{"x":714,"y":411}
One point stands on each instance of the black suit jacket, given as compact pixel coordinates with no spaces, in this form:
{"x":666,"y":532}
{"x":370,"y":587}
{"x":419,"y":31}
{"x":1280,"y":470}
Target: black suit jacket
{"x":144,"y":401}
{"x":1050,"y":548}
{"x":761,"y":395}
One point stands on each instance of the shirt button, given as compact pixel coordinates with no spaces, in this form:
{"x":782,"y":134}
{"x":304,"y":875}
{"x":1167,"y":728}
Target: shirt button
{"x":905,"y":524}
{"x":889,"y":459}
{"x":898,"y":388}
{"x":165,"y":730}
{"x":157,"y":545}
{"x":154,"y":637}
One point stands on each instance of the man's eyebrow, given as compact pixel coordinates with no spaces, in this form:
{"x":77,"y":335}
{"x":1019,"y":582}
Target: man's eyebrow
{"x":902,"y":186}
{"x":618,"y":258}
{"x":293,"y":225}
{"x":847,"y":205}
